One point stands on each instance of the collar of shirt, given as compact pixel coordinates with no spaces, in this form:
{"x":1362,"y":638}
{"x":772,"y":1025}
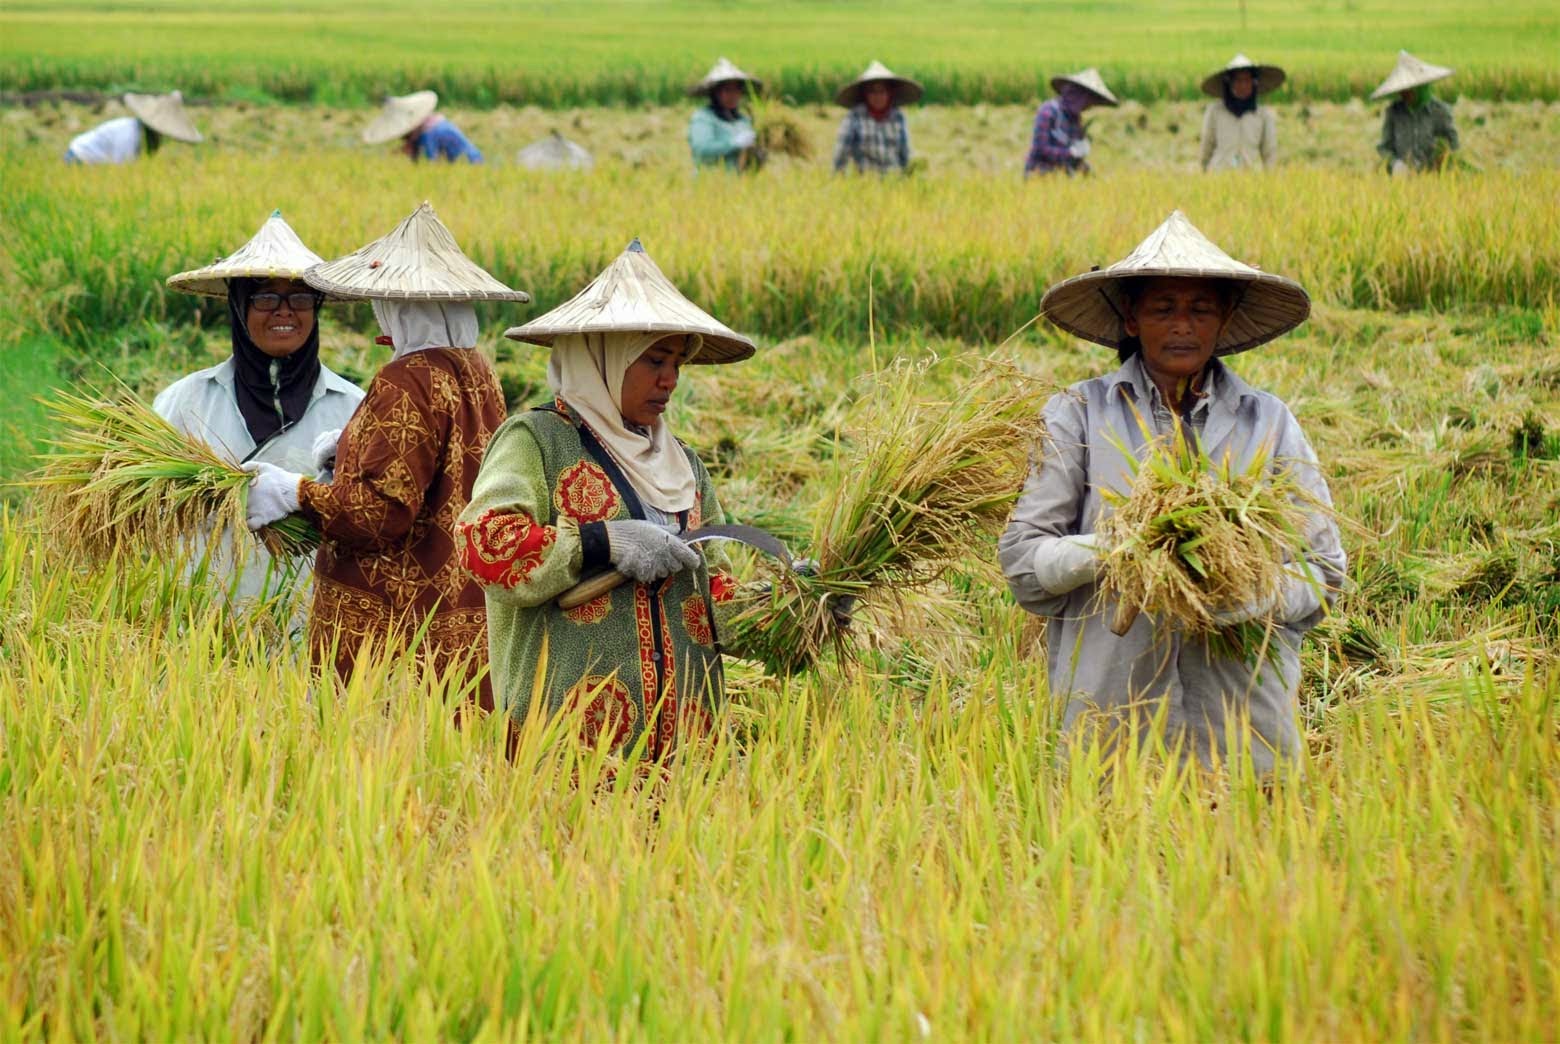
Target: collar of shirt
{"x":329,"y":381}
{"x":1216,"y":407}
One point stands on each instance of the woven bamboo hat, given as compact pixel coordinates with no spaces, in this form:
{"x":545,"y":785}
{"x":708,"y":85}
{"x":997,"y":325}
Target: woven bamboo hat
{"x":1092,"y":305}
{"x":418,"y":261}
{"x":723,"y":71}
{"x":400,"y":116}
{"x":274,"y":252}
{"x":1090,"y":80}
{"x":632,"y":295}
{"x":1408,"y":73}
{"x":554,"y":152}
{"x":1268,"y":77}
{"x":905,"y":90}
{"x":165,"y":114}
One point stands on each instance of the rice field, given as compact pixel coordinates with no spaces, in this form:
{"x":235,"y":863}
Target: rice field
{"x":198,"y":839}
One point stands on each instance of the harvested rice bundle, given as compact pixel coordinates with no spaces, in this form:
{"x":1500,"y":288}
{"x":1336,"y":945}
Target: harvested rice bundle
{"x":917,"y":494}
{"x":778,"y":130}
{"x":1194,"y":537}
{"x":120,"y":475}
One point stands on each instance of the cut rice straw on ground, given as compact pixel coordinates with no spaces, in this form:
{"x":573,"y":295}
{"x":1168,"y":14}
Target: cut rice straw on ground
{"x":928,"y":485}
{"x":122,"y":476}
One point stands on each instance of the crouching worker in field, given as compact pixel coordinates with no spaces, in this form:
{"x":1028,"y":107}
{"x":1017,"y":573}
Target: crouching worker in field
{"x":388,"y":568}
{"x":1170,"y":309}
{"x":596,"y":481}
{"x":424,"y":133}
{"x":1417,"y":132}
{"x":272,"y":399}
{"x":122,"y":140}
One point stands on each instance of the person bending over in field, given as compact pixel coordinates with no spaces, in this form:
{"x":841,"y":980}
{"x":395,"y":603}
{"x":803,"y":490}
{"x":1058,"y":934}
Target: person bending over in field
{"x":873,"y":135}
{"x":388,"y":570}
{"x":1170,"y":309}
{"x":720,"y":134}
{"x":1060,"y":140}
{"x":1417,"y":132}
{"x":1237,"y":132}
{"x":596,"y":481}
{"x":423,"y":132}
{"x":272,"y":399}
{"x":152,"y":117}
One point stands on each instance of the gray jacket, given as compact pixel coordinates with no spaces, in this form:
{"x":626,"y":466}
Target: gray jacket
{"x":1149,"y":668}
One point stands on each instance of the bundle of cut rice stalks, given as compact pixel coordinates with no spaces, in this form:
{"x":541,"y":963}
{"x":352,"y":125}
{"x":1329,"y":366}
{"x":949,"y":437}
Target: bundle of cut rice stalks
{"x":928,"y":487}
{"x":1194,"y":537}
{"x":778,"y":130}
{"x":122,"y":477}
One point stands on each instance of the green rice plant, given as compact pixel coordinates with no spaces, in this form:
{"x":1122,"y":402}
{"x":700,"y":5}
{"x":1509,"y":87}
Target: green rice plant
{"x":120,"y":476}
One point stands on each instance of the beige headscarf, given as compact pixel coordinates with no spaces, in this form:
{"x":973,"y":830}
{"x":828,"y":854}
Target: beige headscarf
{"x":586,"y":371}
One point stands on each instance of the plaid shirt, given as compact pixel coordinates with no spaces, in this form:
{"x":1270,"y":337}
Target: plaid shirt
{"x":880,"y":145}
{"x":1055,"y":130}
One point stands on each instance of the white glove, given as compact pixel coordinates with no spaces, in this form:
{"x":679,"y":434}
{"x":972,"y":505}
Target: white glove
{"x":323,"y":452}
{"x":273,"y":493}
{"x":1079,"y":149}
{"x":645,"y":551}
{"x":1064,"y":564}
{"x":743,"y":137}
{"x":1296,"y":600}
{"x":1399,"y":168}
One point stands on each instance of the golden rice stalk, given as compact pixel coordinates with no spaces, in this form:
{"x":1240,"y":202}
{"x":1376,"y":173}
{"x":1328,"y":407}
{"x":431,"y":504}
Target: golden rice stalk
{"x":930,"y":484}
{"x":121,"y":476}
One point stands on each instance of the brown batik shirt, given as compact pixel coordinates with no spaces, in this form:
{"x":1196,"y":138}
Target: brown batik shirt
{"x":388,"y":565}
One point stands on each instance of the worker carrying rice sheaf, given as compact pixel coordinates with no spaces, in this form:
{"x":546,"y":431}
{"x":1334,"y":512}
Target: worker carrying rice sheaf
{"x":720,"y":133}
{"x":1418,"y":132}
{"x":273,"y":397}
{"x":126,"y":138}
{"x":1238,"y":132}
{"x":592,"y":483}
{"x":1061,"y":140}
{"x":424,"y":133}
{"x":389,"y":567}
{"x":874,"y":135}
{"x":1171,"y":309}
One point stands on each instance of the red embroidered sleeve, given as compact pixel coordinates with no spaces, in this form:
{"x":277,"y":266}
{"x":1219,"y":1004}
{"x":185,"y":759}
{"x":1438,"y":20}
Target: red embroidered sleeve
{"x":723,"y":587}
{"x":502,"y":549}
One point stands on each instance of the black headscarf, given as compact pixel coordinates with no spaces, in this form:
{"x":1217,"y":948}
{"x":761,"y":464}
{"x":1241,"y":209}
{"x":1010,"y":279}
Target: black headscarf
{"x":1237,"y":106}
{"x":295,"y":376}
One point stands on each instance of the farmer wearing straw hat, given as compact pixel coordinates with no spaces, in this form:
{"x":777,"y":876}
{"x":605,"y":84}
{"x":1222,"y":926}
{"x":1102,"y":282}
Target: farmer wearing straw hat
{"x":596,"y":481}
{"x":1060,"y":140}
{"x":1237,"y":132}
{"x":272,"y":399}
{"x":1418,"y":132}
{"x":720,"y":133}
{"x":152,"y":117}
{"x":1171,"y":309}
{"x":873,"y":135}
{"x":424,"y":133}
{"x":388,"y":565}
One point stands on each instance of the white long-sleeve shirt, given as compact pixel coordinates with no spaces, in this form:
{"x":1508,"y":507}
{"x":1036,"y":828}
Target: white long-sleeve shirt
{"x":1231,"y":142}
{"x":117,"y":141}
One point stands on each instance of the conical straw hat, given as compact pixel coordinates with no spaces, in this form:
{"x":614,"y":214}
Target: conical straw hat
{"x":1092,"y":305}
{"x":274,"y":252}
{"x":1269,"y":77}
{"x":401,"y":115}
{"x":905,"y":90}
{"x":554,"y":152}
{"x":1090,"y":80}
{"x":165,"y":114}
{"x":723,"y":71}
{"x":418,"y":261}
{"x":1409,"y":72}
{"x":632,"y":295}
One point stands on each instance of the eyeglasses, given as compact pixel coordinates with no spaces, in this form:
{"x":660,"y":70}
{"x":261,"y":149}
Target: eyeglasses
{"x":299,"y":301}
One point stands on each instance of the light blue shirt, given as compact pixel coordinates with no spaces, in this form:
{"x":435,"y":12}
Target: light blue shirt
{"x":713,"y":140}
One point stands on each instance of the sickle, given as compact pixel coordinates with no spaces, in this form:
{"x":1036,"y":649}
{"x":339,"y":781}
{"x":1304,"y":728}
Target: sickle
{"x":752,"y":536}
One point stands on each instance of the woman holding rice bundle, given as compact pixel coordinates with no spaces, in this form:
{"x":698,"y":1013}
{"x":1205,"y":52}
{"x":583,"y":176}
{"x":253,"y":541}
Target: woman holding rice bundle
{"x":388,"y":565}
{"x":1170,"y":309}
{"x":721,"y":133}
{"x":272,"y":399}
{"x":595,"y":481}
{"x":1238,"y":132}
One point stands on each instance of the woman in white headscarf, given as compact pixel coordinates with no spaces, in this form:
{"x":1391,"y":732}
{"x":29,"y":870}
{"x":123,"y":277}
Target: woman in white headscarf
{"x":595,"y":481}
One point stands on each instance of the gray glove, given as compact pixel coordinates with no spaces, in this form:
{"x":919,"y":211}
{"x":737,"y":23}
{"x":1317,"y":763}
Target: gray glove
{"x":1297,"y":600}
{"x":645,"y":551}
{"x":1064,"y":564}
{"x":1079,"y":149}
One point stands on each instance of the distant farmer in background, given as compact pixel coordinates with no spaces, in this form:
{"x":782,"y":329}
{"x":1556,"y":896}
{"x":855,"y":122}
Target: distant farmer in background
{"x":1417,"y":133}
{"x":272,"y":399}
{"x":423,"y":132}
{"x":152,"y":117}
{"x":873,"y":135}
{"x":1060,"y":140}
{"x":1237,"y":132}
{"x":721,"y":134}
